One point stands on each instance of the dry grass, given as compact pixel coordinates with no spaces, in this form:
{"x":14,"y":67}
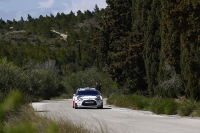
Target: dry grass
{"x":26,"y":116}
{"x":39,"y":122}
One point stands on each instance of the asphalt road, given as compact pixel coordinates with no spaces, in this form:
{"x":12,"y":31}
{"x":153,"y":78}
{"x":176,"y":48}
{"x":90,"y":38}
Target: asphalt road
{"x":117,"y":120}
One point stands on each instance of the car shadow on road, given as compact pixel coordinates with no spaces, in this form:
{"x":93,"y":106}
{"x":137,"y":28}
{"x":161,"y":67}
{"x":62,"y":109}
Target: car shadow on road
{"x":41,"y":111}
{"x":96,"y":108}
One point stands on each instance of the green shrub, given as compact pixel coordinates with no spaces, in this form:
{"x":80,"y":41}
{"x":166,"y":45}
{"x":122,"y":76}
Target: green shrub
{"x":196,"y":112}
{"x":45,"y":84}
{"x":157,"y":106}
{"x":186,"y":107}
{"x":128,"y":101}
{"x":38,"y":82}
{"x":111,"y":99}
{"x":170,"y":107}
{"x":117,"y":100}
{"x":140,"y":102}
{"x":163,"y":106}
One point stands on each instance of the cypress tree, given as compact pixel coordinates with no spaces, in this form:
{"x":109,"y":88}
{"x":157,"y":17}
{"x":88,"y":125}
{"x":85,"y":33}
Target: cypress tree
{"x":179,"y":65}
{"x":116,"y":27}
{"x":189,"y":39}
{"x":121,"y":49}
{"x":169,"y":67}
{"x":152,"y":45}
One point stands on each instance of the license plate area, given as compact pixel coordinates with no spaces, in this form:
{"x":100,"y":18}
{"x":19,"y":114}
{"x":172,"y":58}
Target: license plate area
{"x":89,"y":103}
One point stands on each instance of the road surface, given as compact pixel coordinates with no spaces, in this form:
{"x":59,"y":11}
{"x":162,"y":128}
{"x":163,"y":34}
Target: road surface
{"x":111,"y":119}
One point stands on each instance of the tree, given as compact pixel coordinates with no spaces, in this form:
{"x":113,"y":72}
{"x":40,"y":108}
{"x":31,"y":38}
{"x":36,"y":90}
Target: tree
{"x":29,"y":18}
{"x":152,"y":43}
{"x":80,"y":16}
{"x":119,"y":53}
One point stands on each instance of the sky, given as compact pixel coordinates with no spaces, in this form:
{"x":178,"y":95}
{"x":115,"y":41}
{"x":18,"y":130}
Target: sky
{"x":15,"y":9}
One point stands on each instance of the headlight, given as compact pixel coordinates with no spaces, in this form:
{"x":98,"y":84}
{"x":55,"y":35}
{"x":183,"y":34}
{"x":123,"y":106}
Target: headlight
{"x":79,"y":98}
{"x":98,"y":98}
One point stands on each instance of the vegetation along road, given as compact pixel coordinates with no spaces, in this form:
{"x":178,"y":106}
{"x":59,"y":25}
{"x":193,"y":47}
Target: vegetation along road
{"x":117,"y":120}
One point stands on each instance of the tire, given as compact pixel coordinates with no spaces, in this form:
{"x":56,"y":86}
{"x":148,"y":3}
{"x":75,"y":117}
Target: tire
{"x":101,"y":107}
{"x":76,"y":107}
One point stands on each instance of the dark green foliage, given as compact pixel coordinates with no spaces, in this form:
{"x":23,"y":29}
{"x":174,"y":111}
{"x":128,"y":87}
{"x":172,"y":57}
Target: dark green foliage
{"x":45,"y":84}
{"x":152,"y":45}
{"x":39,"y":81}
{"x":11,"y":77}
{"x":180,"y":45}
{"x":88,"y":78}
{"x":116,"y":49}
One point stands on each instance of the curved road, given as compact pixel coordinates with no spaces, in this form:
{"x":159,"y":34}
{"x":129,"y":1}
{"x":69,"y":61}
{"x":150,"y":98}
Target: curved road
{"x":117,"y":120}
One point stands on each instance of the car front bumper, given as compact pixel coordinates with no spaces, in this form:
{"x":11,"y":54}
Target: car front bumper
{"x":89,"y":103}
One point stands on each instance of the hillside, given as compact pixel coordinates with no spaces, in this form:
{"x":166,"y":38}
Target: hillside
{"x":54,"y":37}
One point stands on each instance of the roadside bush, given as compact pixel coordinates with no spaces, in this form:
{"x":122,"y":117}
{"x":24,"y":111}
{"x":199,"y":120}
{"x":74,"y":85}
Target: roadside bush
{"x":139,"y":102}
{"x":11,"y":77}
{"x":196,"y":111}
{"x":171,"y":107}
{"x":118,"y":100}
{"x":129,"y":101}
{"x":112,"y":99}
{"x":157,"y":105}
{"x":186,"y":107}
{"x":163,"y":106}
{"x":38,"y":82}
{"x":45,"y":84}
{"x":123,"y":101}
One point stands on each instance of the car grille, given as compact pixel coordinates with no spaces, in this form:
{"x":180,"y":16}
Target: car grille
{"x":89,"y":103}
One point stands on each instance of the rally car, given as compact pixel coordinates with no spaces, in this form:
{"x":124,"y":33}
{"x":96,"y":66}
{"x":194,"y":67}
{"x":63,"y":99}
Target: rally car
{"x":87,"y":97}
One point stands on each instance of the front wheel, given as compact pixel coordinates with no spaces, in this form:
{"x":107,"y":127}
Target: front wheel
{"x":76,"y":107}
{"x":73,"y":104}
{"x":101,"y":107}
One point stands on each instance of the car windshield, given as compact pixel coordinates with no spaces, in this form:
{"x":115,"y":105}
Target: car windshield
{"x":87,"y":93}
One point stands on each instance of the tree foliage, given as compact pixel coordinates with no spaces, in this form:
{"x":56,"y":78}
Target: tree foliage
{"x":151,"y":45}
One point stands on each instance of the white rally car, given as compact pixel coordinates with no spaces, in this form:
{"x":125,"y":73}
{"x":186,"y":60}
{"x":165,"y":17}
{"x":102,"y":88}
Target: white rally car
{"x":87,"y":97}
